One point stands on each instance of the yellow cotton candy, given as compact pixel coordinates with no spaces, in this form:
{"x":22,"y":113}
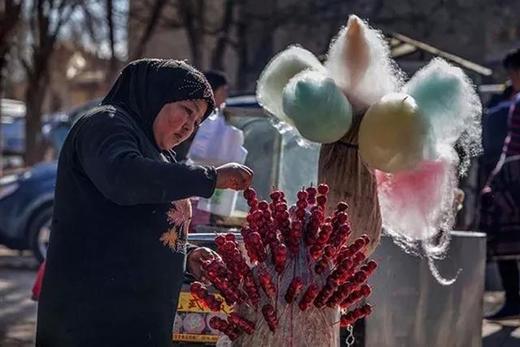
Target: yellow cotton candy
{"x":393,"y":134}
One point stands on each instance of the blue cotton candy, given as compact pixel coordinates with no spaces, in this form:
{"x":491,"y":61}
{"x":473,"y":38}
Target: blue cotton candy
{"x":448,"y":100}
{"x":317,"y":107}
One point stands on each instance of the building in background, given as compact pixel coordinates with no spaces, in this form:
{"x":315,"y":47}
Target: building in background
{"x":77,"y":76}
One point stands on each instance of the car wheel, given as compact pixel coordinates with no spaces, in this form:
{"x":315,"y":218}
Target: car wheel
{"x":40,"y":232}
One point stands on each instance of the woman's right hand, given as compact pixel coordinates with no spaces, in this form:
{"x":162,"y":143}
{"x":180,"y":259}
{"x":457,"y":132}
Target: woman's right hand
{"x":234,"y":176}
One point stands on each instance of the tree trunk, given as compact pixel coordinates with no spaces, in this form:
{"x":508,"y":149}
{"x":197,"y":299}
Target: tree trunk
{"x":8,"y":20}
{"x":34,"y":97}
{"x":113,"y":63}
{"x":242,"y":49}
{"x":194,"y":23}
{"x":217,"y":59}
{"x":2,"y":64}
{"x":149,"y":29}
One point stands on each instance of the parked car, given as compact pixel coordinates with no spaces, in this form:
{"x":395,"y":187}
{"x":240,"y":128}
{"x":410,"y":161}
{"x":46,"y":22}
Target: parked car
{"x":26,"y":198}
{"x":12,"y":129}
{"x":26,"y":201}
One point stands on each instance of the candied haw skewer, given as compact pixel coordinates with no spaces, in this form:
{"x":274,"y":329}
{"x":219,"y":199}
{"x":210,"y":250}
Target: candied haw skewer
{"x":246,"y":325}
{"x":270,"y":316}
{"x":321,"y":266}
{"x":249,"y":194}
{"x":323,"y":189}
{"x":371,"y":266}
{"x":267,"y":284}
{"x":220,"y":277}
{"x":200,"y":292}
{"x":294,"y":236}
{"x":342,"y":206}
{"x":341,"y":272}
{"x":311,"y":195}
{"x":309,"y":296}
{"x":340,"y":234}
{"x":276,"y":196}
{"x":251,"y":289}
{"x":255,"y":247}
{"x":353,"y":283}
{"x":325,"y":293}
{"x":294,"y":289}
{"x":351,"y":317}
{"x":226,"y":327}
{"x":302,"y":195}
{"x":339,"y":295}
{"x":315,"y":251}
{"x":363,"y":292}
{"x":279,"y":253}
{"x":321,"y":201}
{"x":324,"y":235}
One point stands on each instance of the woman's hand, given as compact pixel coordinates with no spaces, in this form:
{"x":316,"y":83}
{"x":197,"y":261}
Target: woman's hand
{"x":234,"y":176}
{"x":195,"y":259}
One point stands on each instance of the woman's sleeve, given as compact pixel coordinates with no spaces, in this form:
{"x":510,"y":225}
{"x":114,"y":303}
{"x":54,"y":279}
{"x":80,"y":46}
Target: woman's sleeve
{"x":108,"y":151}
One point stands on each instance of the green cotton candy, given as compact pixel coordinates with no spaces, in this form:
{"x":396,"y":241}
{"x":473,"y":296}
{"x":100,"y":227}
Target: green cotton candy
{"x":317,"y":107}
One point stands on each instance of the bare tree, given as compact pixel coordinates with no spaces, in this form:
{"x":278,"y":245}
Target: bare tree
{"x":9,"y":18}
{"x":150,"y":23}
{"x":46,"y":20}
{"x":224,"y":35}
{"x":111,"y":26}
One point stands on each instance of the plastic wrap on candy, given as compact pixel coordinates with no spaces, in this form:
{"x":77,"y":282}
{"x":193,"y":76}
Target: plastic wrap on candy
{"x":299,"y":273}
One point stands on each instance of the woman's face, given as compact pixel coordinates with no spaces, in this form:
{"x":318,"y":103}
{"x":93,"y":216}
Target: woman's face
{"x":176,"y":121}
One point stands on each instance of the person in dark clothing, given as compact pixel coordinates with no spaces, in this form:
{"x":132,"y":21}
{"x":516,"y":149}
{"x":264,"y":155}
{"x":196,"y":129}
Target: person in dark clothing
{"x":117,"y":251}
{"x":500,"y":212}
{"x":219,"y":84}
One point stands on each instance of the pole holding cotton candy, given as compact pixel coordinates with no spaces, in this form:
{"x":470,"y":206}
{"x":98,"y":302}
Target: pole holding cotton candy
{"x":369,"y":121}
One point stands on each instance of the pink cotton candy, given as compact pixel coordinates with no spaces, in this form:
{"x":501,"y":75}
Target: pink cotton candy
{"x":414,"y":203}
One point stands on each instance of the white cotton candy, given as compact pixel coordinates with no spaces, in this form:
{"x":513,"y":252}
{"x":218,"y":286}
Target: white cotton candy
{"x":277,"y":74}
{"x":359,"y":60}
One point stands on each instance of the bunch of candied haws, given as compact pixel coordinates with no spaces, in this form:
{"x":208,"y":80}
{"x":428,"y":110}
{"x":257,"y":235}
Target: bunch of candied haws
{"x":302,"y":276}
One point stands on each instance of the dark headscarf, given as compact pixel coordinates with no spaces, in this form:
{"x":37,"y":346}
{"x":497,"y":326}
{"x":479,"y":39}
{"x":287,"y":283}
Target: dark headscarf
{"x":146,"y":85}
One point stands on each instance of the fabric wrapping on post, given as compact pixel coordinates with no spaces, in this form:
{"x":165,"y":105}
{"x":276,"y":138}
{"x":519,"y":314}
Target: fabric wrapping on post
{"x":350,"y":180}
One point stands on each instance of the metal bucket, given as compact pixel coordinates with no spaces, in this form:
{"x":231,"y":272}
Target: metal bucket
{"x":411,"y":308}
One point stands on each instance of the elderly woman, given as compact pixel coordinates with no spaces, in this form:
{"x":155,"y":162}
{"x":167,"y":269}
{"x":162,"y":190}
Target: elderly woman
{"x":118,"y":247}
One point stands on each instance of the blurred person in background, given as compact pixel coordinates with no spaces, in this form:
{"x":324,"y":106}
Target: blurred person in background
{"x":220,"y":86}
{"x":500,"y":199}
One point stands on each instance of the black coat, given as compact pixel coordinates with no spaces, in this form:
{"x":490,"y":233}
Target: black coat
{"x":117,"y":249}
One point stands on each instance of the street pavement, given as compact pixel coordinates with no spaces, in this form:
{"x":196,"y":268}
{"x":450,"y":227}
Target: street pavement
{"x":18,"y":311}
